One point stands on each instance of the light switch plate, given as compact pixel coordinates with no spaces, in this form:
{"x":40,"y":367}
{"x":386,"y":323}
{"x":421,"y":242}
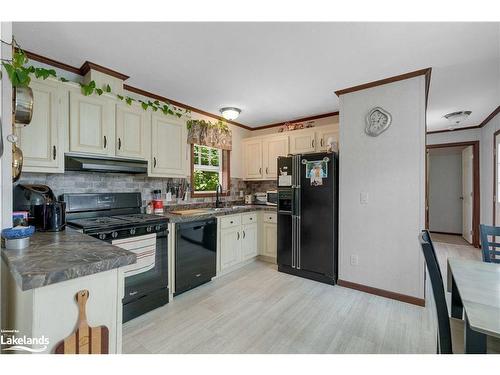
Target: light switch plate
{"x":363,"y":197}
{"x":354,"y":260}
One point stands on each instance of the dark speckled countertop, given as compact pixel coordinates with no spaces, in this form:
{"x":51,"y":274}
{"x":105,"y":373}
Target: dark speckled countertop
{"x":173,"y":218}
{"x":53,"y":257}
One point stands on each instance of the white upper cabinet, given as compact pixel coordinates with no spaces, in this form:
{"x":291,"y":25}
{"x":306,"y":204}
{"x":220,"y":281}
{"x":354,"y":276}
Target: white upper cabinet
{"x":132,"y":131}
{"x":168,"y":147}
{"x":302,"y":142}
{"x":322,"y":137}
{"x":44,"y":140}
{"x":252,"y":158}
{"x":92,"y":124}
{"x":272,"y":148}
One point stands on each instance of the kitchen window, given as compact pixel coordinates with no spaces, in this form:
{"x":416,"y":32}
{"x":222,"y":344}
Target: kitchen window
{"x":209,"y":168}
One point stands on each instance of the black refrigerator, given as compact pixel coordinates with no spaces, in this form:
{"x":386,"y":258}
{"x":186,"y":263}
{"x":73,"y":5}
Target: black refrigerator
{"x":308,"y":216}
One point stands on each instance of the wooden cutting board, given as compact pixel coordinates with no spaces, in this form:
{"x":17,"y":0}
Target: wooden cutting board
{"x":85,"y":339}
{"x":195,"y":211}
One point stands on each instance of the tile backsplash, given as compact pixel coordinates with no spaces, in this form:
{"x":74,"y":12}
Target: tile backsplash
{"x":252,"y":187}
{"x":90,"y":182}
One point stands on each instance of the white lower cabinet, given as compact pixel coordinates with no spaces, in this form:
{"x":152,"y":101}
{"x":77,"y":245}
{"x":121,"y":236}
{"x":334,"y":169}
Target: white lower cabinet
{"x":269,"y":238}
{"x":243,"y":237}
{"x":230,"y":247}
{"x":249,"y":243}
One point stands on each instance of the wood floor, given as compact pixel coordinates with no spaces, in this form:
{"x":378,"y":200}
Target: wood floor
{"x":259,"y":310}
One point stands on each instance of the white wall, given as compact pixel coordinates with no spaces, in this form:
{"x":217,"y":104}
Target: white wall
{"x":445,"y":190}
{"x":390,"y":168}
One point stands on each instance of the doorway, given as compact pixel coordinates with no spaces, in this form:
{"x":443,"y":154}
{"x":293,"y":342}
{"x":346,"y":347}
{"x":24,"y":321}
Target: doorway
{"x":496,"y":178}
{"x":452,"y":193}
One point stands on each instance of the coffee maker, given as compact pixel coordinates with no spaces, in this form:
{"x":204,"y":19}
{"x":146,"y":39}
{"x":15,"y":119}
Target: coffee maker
{"x":45,"y":212}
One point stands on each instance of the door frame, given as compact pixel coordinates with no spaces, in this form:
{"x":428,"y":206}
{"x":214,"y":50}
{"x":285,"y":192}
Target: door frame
{"x":475,"y":186}
{"x":495,"y":176}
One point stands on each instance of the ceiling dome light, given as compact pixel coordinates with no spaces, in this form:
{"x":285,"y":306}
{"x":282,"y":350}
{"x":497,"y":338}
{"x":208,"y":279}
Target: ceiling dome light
{"x":455,"y":118}
{"x":230,"y":113}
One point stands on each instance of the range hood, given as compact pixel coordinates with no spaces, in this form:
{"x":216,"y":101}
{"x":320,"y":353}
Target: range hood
{"x":103,"y":164}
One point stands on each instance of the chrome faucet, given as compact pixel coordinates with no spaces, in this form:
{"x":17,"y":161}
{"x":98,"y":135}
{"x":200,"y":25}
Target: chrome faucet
{"x":218,"y":192}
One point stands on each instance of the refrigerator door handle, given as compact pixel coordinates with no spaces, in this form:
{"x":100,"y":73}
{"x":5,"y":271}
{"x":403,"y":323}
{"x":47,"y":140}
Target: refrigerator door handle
{"x":298,"y":243}
{"x":293,"y":241}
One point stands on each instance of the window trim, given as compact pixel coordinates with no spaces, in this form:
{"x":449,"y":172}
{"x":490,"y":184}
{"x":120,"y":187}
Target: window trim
{"x":226,"y":177}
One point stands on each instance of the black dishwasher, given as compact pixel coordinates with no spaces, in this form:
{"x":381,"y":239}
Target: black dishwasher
{"x":195,"y":254}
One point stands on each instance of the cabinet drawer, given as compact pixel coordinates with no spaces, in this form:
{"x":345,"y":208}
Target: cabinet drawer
{"x":230,"y":221}
{"x":249,"y":218}
{"x":270,"y":217}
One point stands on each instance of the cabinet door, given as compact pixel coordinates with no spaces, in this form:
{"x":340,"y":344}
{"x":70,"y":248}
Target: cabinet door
{"x":272,"y":148}
{"x":131,"y":132}
{"x":43,"y":141}
{"x":92,"y":124}
{"x":230,"y":247}
{"x":302,"y":142}
{"x":323,"y":136}
{"x":269,"y":239}
{"x":168,"y":147}
{"x":252,"y":157}
{"x":249,"y":241}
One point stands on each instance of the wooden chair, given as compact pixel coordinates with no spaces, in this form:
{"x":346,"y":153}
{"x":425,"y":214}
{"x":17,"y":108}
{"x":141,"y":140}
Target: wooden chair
{"x":450,"y":333}
{"x":489,"y":249}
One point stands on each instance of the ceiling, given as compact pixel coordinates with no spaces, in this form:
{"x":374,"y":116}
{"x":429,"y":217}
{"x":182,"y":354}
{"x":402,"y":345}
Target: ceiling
{"x":277,"y":72}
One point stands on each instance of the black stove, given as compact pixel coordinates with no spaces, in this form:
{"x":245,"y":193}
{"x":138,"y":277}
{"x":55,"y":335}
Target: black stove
{"x":114,"y":216}
{"x":110,"y":216}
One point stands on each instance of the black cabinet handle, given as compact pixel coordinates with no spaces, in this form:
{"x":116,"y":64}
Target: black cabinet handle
{"x":321,"y":142}
{"x":54,"y":152}
{"x":251,"y":218}
{"x":243,"y":234}
{"x":267,"y":170}
{"x":154,"y":162}
{"x":119,"y":143}
{"x":105,"y":141}
{"x":260,"y":170}
{"x":312,"y":143}
{"x":230,"y":222}
{"x":238,"y":236}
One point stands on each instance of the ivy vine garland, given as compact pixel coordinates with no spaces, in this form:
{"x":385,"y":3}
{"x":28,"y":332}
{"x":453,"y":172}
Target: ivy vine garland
{"x":19,"y":75}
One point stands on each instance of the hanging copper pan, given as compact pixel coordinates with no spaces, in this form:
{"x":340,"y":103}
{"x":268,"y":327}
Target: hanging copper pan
{"x":23,"y":105}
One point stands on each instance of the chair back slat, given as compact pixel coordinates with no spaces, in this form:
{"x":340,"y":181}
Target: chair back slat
{"x":444,"y":331}
{"x":489,"y":250}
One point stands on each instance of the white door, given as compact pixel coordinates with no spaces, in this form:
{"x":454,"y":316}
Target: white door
{"x":467,"y":193}
{"x":92,"y":124}
{"x":43,"y":140}
{"x":323,"y":136}
{"x":272,"y":148}
{"x":230,"y":247}
{"x":249,"y":241}
{"x":252,"y":157}
{"x":302,"y":142}
{"x":497,"y":182}
{"x":132,"y":136}
{"x":168,"y":147}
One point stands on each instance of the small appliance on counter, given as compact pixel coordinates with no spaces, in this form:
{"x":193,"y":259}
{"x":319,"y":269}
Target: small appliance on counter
{"x":260,"y":198}
{"x":46,"y":213}
{"x":272,"y":197}
{"x":248,"y":199}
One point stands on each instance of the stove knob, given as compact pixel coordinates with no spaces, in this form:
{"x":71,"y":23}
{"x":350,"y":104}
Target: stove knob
{"x":149,"y":229}
{"x":102,"y":236}
{"x":157,"y":227}
{"x":132,"y":231}
{"x":114,"y":234}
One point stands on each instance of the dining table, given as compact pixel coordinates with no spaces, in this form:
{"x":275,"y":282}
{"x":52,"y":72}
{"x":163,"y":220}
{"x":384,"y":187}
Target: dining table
{"x":475,"y":297}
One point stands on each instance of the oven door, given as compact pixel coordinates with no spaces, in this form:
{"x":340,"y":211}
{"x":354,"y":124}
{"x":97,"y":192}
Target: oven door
{"x":148,"y":274}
